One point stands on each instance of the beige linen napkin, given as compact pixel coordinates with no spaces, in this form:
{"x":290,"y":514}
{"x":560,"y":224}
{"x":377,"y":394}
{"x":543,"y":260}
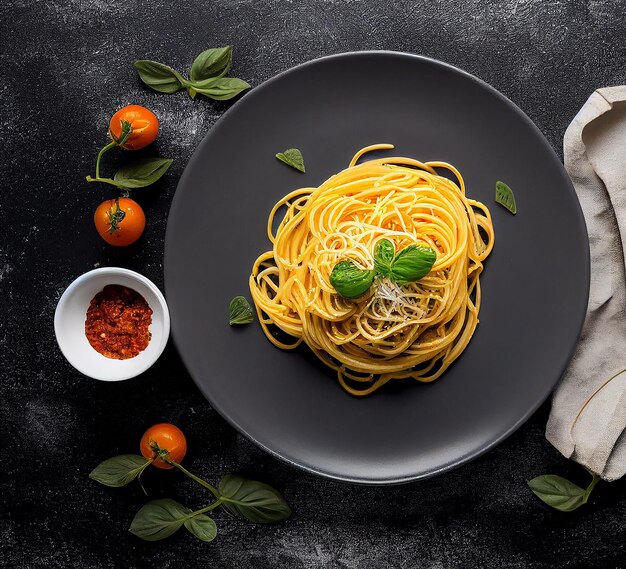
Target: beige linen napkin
{"x":588,"y":418}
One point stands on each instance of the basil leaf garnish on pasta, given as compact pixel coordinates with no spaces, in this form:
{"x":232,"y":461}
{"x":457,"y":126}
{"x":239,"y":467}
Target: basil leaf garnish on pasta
{"x":350,"y":281}
{"x":292,"y":157}
{"x":240,"y":311}
{"x":384,"y":253}
{"x":505,"y":197}
{"x":412,"y":264}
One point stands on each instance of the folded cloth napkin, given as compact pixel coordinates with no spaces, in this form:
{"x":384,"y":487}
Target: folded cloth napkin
{"x":588,"y":418}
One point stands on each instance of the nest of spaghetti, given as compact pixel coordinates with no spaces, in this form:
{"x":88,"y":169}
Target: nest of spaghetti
{"x":392,"y":331}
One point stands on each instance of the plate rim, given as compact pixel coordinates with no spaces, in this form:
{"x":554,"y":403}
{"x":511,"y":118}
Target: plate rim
{"x":586,"y":261}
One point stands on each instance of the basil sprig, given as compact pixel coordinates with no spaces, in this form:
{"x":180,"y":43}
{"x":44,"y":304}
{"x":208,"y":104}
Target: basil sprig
{"x":561,"y":494}
{"x":251,"y":500}
{"x":207,"y":76}
{"x":138,"y":174}
{"x":408,"y":265}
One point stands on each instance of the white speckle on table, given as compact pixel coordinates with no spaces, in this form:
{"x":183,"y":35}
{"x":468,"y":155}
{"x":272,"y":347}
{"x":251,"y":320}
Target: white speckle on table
{"x":5,"y":269}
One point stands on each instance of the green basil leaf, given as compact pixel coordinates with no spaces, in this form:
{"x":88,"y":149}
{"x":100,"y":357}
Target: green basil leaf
{"x":200,"y":85}
{"x":160,"y":77}
{"x":252,"y":500}
{"x":119,"y":470}
{"x":206,"y":83}
{"x":142,"y":172}
{"x":221,"y":89}
{"x":212,"y":62}
{"x":159,"y":519}
{"x":350,"y":281}
{"x":384,"y":253}
{"x":292,"y":157}
{"x":505,"y":197}
{"x":558,"y":492}
{"x":202,"y":527}
{"x":240,"y":311}
{"x":412,"y":263}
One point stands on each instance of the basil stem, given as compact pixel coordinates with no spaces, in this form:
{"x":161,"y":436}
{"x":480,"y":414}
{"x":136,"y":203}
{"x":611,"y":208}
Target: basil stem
{"x":102,"y":151}
{"x":104,"y":180}
{"x":208,"y":486}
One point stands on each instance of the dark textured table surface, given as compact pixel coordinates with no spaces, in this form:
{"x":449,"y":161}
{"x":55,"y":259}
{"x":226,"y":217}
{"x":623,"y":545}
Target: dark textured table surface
{"x":65,"y":66}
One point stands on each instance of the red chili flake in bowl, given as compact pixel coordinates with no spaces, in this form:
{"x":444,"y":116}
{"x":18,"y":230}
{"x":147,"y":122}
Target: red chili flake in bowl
{"x":117,"y":322}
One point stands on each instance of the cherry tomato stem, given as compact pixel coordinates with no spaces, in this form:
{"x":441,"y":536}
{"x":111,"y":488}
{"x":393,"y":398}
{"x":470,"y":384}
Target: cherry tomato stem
{"x":104,"y":181}
{"x":102,"y":151}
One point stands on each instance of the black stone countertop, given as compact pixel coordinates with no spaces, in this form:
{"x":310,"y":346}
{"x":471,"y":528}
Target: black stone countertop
{"x":65,"y":66}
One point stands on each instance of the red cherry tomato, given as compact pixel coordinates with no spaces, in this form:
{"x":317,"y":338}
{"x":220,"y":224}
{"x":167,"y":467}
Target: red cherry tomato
{"x":143,"y":123}
{"x":120,"y":222}
{"x":166,"y":437}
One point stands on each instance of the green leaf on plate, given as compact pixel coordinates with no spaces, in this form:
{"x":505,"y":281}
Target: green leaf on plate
{"x":505,"y":197}
{"x":350,"y":281}
{"x":160,"y":77}
{"x":412,"y":263}
{"x":159,"y":519}
{"x":142,"y":173}
{"x":384,"y":252}
{"x":240,"y":311}
{"x":202,"y":526}
{"x":292,"y":157}
{"x":252,"y":500}
{"x":119,"y":470}
{"x":211,"y":63}
{"x":558,"y":492}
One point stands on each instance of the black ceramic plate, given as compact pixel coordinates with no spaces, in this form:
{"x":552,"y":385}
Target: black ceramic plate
{"x":535,"y":284}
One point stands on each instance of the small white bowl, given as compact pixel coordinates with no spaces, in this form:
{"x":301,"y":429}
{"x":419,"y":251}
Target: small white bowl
{"x":69,"y":324}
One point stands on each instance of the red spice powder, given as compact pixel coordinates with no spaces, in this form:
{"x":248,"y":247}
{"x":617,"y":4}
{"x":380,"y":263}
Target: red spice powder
{"x":117,"y":322}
